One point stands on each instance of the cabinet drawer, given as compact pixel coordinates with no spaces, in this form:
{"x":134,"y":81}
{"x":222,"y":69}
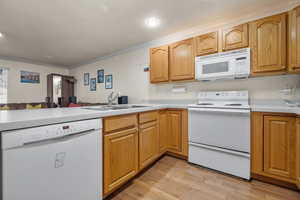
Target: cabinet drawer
{"x":148,"y":117}
{"x":120,"y":122}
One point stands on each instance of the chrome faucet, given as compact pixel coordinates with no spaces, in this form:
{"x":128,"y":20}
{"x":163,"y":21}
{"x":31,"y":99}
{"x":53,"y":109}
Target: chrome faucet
{"x":111,"y":98}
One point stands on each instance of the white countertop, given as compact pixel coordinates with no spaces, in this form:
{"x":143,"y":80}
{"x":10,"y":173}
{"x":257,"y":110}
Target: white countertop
{"x":18,"y":119}
{"x":276,"y":106}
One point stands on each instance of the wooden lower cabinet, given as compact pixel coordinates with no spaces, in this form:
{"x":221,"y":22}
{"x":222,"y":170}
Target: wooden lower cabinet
{"x":132,"y":142}
{"x":120,"y":158}
{"x":274,"y":147}
{"x":178,"y":131}
{"x":174,"y":128}
{"x":148,"y":144}
{"x":298,"y":154}
{"x":279,"y":146}
{"x":163,"y":131}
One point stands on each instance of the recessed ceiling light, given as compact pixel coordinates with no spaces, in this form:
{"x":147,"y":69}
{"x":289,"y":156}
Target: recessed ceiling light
{"x":1,"y":35}
{"x":152,"y":22}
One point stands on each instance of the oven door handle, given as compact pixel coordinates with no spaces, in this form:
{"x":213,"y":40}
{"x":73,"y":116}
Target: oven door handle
{"x":241,"y":111}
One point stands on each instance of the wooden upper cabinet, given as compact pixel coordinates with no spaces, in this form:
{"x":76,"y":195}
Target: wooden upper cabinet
{"x":298,"y":153}
{"x":279,"y":146}
{"x":268,"y":44}
{"x":182,"y":66}
{"x":294,"y":40}
{"x":206,"y":44}
{"x":159,"y":64}
{"x":120,"y":158}
{"x":235,"y":37}
{"x":175,"y":130}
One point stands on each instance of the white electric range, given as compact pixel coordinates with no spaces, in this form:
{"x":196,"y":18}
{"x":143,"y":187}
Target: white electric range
{"x":219,"y":132}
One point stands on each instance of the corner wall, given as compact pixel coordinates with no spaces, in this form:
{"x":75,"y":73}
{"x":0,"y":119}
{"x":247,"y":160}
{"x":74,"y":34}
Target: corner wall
{"x":26,"y":92}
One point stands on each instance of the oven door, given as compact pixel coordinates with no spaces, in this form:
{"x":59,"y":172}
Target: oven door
{"x":222,"y":128}
{"x":215,"y":69}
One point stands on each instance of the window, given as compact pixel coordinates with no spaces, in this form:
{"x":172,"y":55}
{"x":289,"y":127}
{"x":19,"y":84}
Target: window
{"x":3,"y":85}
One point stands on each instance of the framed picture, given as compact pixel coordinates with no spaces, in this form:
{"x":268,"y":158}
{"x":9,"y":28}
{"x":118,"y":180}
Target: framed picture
{"x":86,"y":78}
{"x":100,"y":76}
{"x":93,"y":84}
{"x":108,"y":82}
{"x":30,"y":77}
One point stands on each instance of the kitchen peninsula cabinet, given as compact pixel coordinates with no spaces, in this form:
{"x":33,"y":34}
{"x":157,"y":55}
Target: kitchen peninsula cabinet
{"x":274,"y":147}
{"x":133,"y":142}
{"x":182,"y":60}
{"x":268,"y":44}
{"x":120,"y":151}
{"x":159,"y":64}
{"x":294,"y":40}
{"x":206,"y":44}
{"x":235,"y":37}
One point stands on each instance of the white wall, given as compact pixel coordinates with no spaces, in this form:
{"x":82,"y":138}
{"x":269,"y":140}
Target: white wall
{"x":26,"y":92}
{"x":130,"y":79}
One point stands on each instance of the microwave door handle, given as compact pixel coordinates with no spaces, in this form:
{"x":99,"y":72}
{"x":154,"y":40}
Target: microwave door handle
{"x":240,"y":111}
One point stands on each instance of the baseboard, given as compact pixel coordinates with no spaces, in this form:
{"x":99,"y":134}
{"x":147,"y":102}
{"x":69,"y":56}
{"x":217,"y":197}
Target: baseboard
{"x":176,"y":155}
{"x":274,"y":181}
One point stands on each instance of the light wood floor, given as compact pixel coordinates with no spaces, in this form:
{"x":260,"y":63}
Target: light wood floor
{"x":174,"y":179}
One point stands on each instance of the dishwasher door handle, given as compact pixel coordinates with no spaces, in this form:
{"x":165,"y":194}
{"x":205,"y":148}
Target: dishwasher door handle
{"x":53,"y":140}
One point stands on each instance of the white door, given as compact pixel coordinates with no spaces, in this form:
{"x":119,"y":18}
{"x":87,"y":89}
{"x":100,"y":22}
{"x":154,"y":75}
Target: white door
{"x":224,"y":128}
{"x":63,"y":169}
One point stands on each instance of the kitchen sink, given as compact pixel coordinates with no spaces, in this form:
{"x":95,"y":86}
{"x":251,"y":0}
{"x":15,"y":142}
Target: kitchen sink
{"x":115,"y":107}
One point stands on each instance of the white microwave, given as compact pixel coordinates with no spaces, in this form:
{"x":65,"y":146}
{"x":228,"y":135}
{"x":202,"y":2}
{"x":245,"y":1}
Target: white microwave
{"x":227,"y":65}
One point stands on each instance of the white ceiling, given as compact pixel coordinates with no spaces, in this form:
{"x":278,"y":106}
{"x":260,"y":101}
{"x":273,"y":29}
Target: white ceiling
{"x":68,"y":32}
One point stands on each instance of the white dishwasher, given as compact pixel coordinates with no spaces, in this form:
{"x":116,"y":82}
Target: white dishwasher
{"x":53,"y":162}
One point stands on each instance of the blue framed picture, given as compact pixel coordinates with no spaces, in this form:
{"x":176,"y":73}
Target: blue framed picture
{"x":86,"y":78}
{"x":30,"y":77}
{"x":100,"y":76}
{"x":108,"y":81}
{"x":93,"y":84}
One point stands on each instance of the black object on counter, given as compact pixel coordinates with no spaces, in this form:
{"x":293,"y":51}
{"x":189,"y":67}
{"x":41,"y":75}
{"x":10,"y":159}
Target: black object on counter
{"x":73,"y":99}
{"x":123,"y":100}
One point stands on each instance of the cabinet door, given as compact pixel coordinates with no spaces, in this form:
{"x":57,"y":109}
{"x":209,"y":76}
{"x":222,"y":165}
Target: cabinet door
{"x":279,"y":146}
{"x":206,"y":44}
{"x":148,"y":143}
{"x":175,"y":130}
{"x":163,"y":131}
{"x":120,"y":158}
{"x":182,"y":60}
{"x":294,"y":40}
{"x":298,"y":153}
{"x":235,"y":37}
{"x":159,"y":64}
{"x":268,"y":44}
